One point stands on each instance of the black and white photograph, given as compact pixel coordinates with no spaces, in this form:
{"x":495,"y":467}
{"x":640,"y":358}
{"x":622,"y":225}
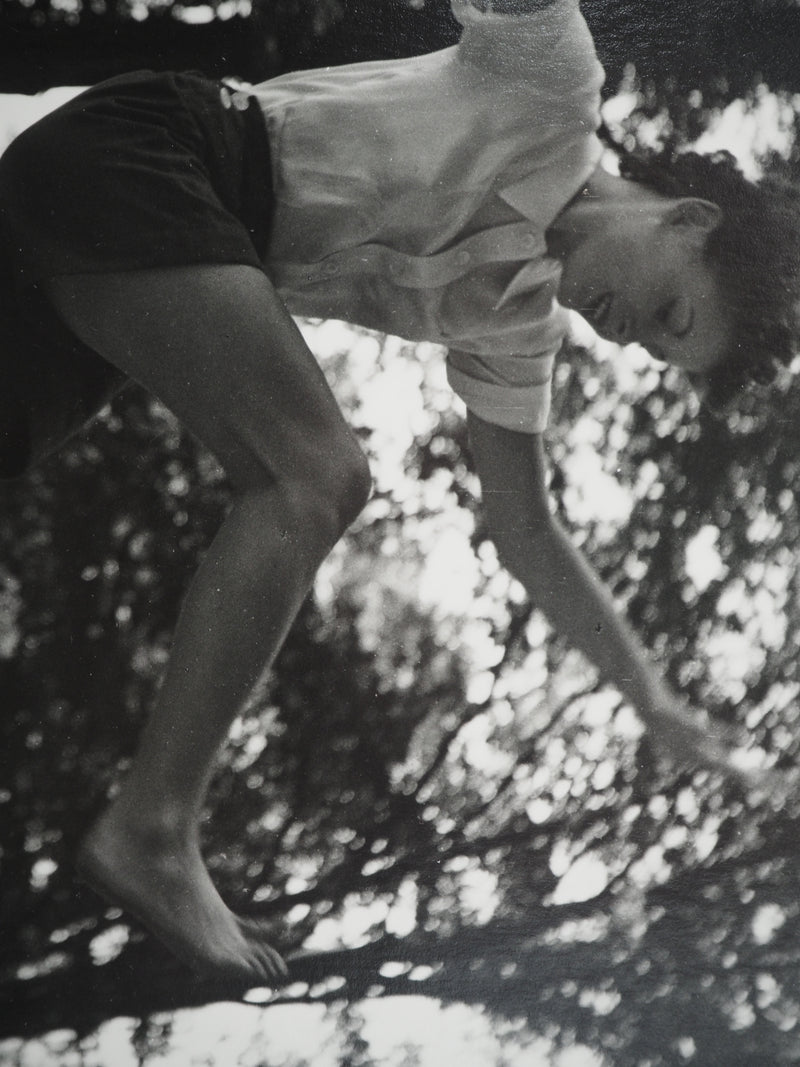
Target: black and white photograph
{"x":399,"y":600}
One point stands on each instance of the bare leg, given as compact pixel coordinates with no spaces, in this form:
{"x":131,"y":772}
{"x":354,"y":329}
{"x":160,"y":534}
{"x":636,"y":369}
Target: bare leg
{"x":216,"y":345}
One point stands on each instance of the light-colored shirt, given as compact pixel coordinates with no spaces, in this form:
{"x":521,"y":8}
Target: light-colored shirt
{"x":379,"y":168}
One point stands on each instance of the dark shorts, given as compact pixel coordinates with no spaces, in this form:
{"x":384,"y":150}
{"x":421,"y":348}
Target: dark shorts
{"x":143,"y":171}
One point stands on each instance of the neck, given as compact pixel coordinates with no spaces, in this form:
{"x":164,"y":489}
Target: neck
{"x":605,"y":201}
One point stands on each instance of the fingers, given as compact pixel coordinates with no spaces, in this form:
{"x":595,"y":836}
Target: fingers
{"x":692,"y":741}
{"x":697,"y":741}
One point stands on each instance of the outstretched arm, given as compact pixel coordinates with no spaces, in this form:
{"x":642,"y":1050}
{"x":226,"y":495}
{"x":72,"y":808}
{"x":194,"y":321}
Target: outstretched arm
{"x":512,"y":470}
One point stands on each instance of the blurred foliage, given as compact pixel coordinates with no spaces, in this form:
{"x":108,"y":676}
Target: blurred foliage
{"x":720,"y":47}
{"x":436,"y":771}
{"x":51,"y":42}
{"x":439,"y":768}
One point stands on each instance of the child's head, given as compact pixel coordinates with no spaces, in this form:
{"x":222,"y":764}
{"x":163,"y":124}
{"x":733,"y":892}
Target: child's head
{"x":754,"y":252}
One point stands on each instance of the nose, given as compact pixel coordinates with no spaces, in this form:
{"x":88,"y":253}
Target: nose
{"x":621,"y":326}
{"x":650,"y":335}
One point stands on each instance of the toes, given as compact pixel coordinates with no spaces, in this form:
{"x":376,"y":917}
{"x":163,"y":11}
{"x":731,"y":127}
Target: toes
{"x":271,"y":963}
{"x":259,"y":935}
{"x":261,"y":967}
{"x":278,"y":962}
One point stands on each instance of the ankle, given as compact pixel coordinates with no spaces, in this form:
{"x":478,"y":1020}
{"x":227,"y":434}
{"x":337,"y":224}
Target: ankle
{"x":160,"y":828}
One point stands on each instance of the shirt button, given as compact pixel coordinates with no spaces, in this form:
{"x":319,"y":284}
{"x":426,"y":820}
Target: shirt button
{"x":463,"y":258}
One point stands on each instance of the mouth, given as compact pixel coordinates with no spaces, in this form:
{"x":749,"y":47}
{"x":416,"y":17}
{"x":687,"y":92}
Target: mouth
{"x":599,"y":310}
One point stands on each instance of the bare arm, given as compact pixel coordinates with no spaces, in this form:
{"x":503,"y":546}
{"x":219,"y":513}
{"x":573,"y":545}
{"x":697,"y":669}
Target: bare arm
{"x":537,"y":42}
{"x":560,"y":582}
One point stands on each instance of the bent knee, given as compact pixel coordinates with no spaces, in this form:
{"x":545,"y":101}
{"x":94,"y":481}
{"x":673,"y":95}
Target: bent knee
{"x":327,"y":505}
{"x":338,"y":486}
{"x":324,"y":490}
{"x":355,"y":489}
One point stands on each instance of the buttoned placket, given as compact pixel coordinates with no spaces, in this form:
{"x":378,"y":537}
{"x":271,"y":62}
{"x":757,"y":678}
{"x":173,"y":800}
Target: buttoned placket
{"x":513,"y":241}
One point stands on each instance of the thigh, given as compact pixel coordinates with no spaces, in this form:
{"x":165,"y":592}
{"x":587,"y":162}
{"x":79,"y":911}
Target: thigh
{"x":217,"y":346}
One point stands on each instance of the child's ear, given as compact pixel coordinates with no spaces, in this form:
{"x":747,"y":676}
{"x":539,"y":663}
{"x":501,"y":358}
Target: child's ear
{"x":692,"y":211}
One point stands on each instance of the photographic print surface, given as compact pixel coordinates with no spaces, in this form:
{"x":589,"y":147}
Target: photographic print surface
{"x":505,"y":795}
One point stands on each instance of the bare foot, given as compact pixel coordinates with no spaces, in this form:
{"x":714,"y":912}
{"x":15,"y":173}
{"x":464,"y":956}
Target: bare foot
{"x":161,"y":880}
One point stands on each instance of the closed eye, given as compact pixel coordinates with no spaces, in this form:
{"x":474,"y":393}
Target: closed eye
{"x":678,"y":317}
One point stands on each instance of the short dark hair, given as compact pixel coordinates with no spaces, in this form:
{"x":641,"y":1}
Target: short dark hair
{"x":754,"y":252}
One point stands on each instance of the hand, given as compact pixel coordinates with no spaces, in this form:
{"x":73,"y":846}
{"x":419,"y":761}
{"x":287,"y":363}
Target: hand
{"x":694,"y":739}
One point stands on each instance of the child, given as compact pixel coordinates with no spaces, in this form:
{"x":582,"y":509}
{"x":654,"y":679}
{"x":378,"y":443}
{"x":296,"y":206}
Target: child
{"x":165,"y":228}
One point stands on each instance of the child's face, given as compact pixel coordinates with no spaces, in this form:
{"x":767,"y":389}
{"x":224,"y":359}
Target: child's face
{"x":645,"y":280}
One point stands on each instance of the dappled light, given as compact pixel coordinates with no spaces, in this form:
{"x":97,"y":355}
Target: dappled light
{"x":490,"y":813}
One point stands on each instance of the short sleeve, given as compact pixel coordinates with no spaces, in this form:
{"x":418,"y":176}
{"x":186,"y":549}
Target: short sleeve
{"x":524,"y":407}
